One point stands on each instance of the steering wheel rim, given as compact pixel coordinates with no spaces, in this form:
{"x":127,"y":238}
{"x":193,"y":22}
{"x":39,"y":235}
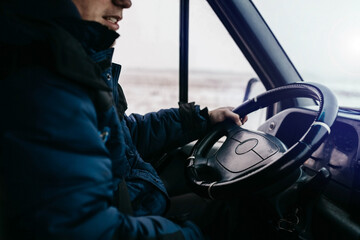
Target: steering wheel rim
{"x":291,"y":159}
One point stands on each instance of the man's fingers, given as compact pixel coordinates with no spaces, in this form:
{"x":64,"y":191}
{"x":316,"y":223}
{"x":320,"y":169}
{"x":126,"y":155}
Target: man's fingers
{"x":244,"y":119}
{"x":220,"y":114}
{"x":235,"y":118}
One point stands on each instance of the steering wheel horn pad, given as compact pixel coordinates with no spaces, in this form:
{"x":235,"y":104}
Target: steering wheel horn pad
{"x":246,"y":149}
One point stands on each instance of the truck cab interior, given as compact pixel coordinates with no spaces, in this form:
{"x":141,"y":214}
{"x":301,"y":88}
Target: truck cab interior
{"x":297,"y":173}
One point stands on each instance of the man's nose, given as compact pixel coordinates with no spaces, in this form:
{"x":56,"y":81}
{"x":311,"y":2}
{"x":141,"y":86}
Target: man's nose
{"x":122,"y":3}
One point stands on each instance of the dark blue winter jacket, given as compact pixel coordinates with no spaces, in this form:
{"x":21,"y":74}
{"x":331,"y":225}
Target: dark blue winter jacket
{"x":65,"y":141}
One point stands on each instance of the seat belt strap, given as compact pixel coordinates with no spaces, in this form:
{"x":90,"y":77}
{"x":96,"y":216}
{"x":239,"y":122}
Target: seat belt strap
{"x":122,"y":198}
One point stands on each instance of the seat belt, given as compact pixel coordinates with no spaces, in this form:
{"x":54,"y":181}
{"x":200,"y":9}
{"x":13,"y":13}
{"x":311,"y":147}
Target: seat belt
{"x":122,"y":202}
{"x":122,"y":199}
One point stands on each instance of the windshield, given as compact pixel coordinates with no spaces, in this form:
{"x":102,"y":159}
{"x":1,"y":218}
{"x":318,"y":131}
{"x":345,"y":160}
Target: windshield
{"x":322,"y":39}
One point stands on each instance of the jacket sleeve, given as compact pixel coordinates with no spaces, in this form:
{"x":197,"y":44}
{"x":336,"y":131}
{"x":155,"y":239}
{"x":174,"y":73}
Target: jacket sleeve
{"x":58,"y":171}
{"x":161,"y":131}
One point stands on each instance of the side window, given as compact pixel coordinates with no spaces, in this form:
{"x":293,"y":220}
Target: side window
{"x":218,"y":71}
{"x":148,"y":50}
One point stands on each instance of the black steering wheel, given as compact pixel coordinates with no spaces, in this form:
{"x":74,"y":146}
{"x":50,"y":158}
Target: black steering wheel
{"x":251,"y":161}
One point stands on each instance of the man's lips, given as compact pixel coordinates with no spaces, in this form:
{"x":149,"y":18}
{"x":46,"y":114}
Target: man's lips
{"x":112,"y":22}
{"x":112,"y":19}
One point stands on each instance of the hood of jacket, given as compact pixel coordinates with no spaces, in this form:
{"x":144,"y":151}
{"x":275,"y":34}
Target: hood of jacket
{"x":16,"y":16}
{"x":52,"y":33}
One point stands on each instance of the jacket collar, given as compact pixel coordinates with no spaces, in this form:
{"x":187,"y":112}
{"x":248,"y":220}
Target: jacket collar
{"x":92,"y":35}
{"x":72,"y":59}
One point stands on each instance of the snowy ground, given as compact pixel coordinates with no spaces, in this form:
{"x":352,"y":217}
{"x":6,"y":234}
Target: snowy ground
{"x":148,"y":91}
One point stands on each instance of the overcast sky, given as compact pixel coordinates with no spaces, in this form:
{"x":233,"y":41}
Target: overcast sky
{"x":325,"y":39}
{"x":329,"y":29}
{"x":150,"y":38}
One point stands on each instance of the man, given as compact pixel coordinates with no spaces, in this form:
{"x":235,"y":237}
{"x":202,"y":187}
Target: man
{"x":70,"y":157}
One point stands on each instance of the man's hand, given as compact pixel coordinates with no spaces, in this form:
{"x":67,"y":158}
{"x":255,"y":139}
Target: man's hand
{"x":220,"y":114}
